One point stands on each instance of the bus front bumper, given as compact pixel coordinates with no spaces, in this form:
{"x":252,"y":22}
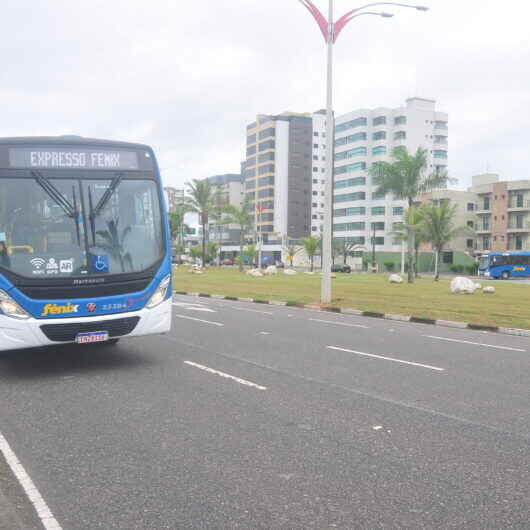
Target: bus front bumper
{"x":19,"y":334}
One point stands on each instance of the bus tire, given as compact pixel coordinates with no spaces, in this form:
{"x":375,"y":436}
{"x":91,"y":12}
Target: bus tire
{"x":111,"y":342}
{"x":505,"y":275}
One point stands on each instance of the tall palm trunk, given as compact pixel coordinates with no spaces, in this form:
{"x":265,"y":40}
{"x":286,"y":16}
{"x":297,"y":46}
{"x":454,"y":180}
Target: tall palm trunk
{"x":241,"y":251}
{"x":436,"y":260}
{"x":203,"y":241}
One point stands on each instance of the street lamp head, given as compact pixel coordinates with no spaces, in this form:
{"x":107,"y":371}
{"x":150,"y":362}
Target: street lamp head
{"x":422,"y":8}
{"x":386,"y":15}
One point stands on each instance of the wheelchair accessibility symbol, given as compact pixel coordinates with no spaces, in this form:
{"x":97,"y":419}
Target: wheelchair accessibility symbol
{"x":100,"y":263}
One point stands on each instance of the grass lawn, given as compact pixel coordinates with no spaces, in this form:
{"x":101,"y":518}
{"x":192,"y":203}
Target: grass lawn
{"x":509,"y":306}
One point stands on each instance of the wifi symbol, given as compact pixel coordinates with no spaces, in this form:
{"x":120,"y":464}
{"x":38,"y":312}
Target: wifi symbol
{"x":38,"y":263}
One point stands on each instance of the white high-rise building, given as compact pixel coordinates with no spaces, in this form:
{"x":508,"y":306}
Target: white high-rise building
{"x":365,"y":136}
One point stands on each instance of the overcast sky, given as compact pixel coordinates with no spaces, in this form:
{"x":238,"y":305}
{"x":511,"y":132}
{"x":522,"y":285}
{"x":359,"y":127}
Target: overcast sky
{"x":187,"y":76}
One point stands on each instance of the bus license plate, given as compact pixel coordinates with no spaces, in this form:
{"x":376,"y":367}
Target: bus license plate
{"x":93,"y":336}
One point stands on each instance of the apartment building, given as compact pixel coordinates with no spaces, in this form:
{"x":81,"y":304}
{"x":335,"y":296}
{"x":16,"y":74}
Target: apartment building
{"x":502,"y":213}
{"x":174,"y":197}
{"x":365,"y":136}
{"x":278,"y":173}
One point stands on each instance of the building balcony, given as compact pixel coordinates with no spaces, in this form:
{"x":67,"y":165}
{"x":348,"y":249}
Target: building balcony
{"x":522,"y":206}
{"x":482,"y":211}
{"x":483,"y":230}
{"x":521,"y":227}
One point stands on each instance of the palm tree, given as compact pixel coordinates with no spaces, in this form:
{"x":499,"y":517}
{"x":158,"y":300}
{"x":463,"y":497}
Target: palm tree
{"x":440,"y":229}
{"x":412,"y":221}
{"x":176,"y":222}
{"x":202,"y":201}
{"x":311,"y":246}
{"x":242,"y":217}
{"x":406,"y":178}
{"x":290,"y":252}
{"x":113,"y":243}
{"x":250,"y":253}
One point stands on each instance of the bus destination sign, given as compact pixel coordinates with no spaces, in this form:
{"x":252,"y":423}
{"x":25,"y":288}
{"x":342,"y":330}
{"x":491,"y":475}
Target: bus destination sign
{"x":43,"y":158}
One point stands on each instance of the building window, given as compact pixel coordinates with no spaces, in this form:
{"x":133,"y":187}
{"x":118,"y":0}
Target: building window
{"x":347,"y":212}
{"x":357,"y":166}
{"x":249,"y":173}
{"x":469,"y":243}
{"x":471,"y":224}
{"x":359,"y":122}
{"x":267,"y":168}
{"x":378,"y":226}
{"x":358,"y":196}
{"x":251,"y":150}
{"x":269,"y":144}
{"x":377,"y":196}
{"x":380,"y":120}
{"x":358,"y":181}
{"x":447,"y":257}
{"x":470,"y":206}
{"x":400,"y":135}
{"x":357,"y":151}
{"x":379,"y":240}
{"x":315,"y":181}
{"x":485,"y":242}
{"x":400,"y":120}
{"x":397,"y":210}
{"x":440,"y":154}
{"x":269,"y":192}
{"x":379,"y":135}
{"x":440,"y":125}
{"x":315,"y":134}
{"x":378,"y":210}
{"x":347,"y":227}
{"x":379,"y":150}
{"x":315,"y":169}
{"x":265,"y":157}
{"x":266,"y":133}
{"x":486,"y":203}
{"x":315,"y":193}
{"x":350,"y":139}
{"x":251,"y":139}
{"x":314,"y":205}
{"x":265,"y":181}
{"x":315,"y":157}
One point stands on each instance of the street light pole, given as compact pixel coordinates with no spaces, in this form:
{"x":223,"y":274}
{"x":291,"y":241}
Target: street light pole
{"x":330,"y":31}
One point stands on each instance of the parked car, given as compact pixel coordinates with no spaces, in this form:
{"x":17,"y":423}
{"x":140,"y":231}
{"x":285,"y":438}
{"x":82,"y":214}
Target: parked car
{"x":227,"y":261}
{"x":340,"y":267}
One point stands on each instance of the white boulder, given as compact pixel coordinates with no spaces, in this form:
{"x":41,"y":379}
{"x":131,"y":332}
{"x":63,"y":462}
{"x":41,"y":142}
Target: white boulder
{"x":489,"y":289}
{"x":395,"y":278}
{"x":461,"y":285}
{"x":478,"y":286}
{"x":271,"y":270}
{"x":290,"y":272}
{"x":254,"y":272}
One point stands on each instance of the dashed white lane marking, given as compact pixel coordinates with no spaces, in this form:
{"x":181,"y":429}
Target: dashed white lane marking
{"x":194,"y":307}
{"x":338,"y":323}
{"x":226,"y":376}
{"x":45,"y":515}
{"x":252,"y":310}
{"x":428,"y":366}
{"x":200,"y":320}
{"x":264,"y":332}
{"x":474,"y":343}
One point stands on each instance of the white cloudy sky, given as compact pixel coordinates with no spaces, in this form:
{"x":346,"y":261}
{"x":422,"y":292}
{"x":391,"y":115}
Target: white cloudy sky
{"x":187,"y":76}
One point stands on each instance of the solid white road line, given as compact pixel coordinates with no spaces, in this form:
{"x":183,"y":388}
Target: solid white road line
{"x":194,"y":307}
{"x":45,"y":515}
{"x":252,"y":310}
{"x":428,"y":366}
{"x":338,"y":323}
{"x":199,"y":320}
{"x":475,"y":343}
{"x":227,"y":376}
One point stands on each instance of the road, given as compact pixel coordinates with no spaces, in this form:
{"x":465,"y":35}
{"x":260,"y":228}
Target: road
{"x":258,"y":416}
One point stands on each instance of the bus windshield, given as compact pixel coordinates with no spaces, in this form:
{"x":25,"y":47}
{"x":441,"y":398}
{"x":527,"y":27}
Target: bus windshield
{"x":483,"y":262}
{"x":63,"y":227}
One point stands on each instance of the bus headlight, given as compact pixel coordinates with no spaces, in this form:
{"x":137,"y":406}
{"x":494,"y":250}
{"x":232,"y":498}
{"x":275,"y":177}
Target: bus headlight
{"x":10,"y":308}
{"x":160,"y":294}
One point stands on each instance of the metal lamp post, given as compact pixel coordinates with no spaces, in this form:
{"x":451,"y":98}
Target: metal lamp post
{"x":330,"y":30}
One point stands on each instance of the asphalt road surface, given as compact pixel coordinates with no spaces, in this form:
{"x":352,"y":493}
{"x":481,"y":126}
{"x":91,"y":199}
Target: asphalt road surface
{"x":257,"y":416}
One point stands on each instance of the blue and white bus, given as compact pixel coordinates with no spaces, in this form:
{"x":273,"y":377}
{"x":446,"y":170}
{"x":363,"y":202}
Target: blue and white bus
{"x":505,"y":265}
{"x":84,"y":242}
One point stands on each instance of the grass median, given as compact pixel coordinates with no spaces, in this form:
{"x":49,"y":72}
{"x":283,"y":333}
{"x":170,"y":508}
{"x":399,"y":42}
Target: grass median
{"x":508,"y":307}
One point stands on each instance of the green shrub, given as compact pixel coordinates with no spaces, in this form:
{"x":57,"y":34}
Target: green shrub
{"x":471,"y":270}
{"x":389,"y":265}
{"x":456,"y":269}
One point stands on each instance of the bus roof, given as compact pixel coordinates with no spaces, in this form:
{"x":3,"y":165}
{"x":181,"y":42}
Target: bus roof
{"x":510,"y":253}
{"x":69,"y":139}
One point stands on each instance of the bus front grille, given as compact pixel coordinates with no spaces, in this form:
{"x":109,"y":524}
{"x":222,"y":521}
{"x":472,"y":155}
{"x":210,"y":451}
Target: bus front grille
{"x":68,"y":332}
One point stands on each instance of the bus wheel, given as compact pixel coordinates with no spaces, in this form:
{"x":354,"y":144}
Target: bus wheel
{"x":111,"y":342}
{"x":505,"y":275}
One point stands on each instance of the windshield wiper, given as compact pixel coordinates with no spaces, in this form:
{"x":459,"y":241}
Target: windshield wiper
{"x":71,"y":210}
{"x":94,"y":212}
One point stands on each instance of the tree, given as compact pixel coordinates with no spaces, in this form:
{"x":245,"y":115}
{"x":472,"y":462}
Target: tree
{"x":195,"y":253}
{"x":406,"y":178}
{"x":211,"y":252}
{"x":202,"y":201}
{"x":113,"y":243}
{"x":440,"y":229}
{"x":311,"y":246}
{"x":290,"y":252}
{"x":242,"y":217}
{"x":250,"y":253}
{"x":176,"y":222}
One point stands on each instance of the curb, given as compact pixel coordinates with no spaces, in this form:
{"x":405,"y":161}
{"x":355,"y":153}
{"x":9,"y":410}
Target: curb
{"x":371,"y":314}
